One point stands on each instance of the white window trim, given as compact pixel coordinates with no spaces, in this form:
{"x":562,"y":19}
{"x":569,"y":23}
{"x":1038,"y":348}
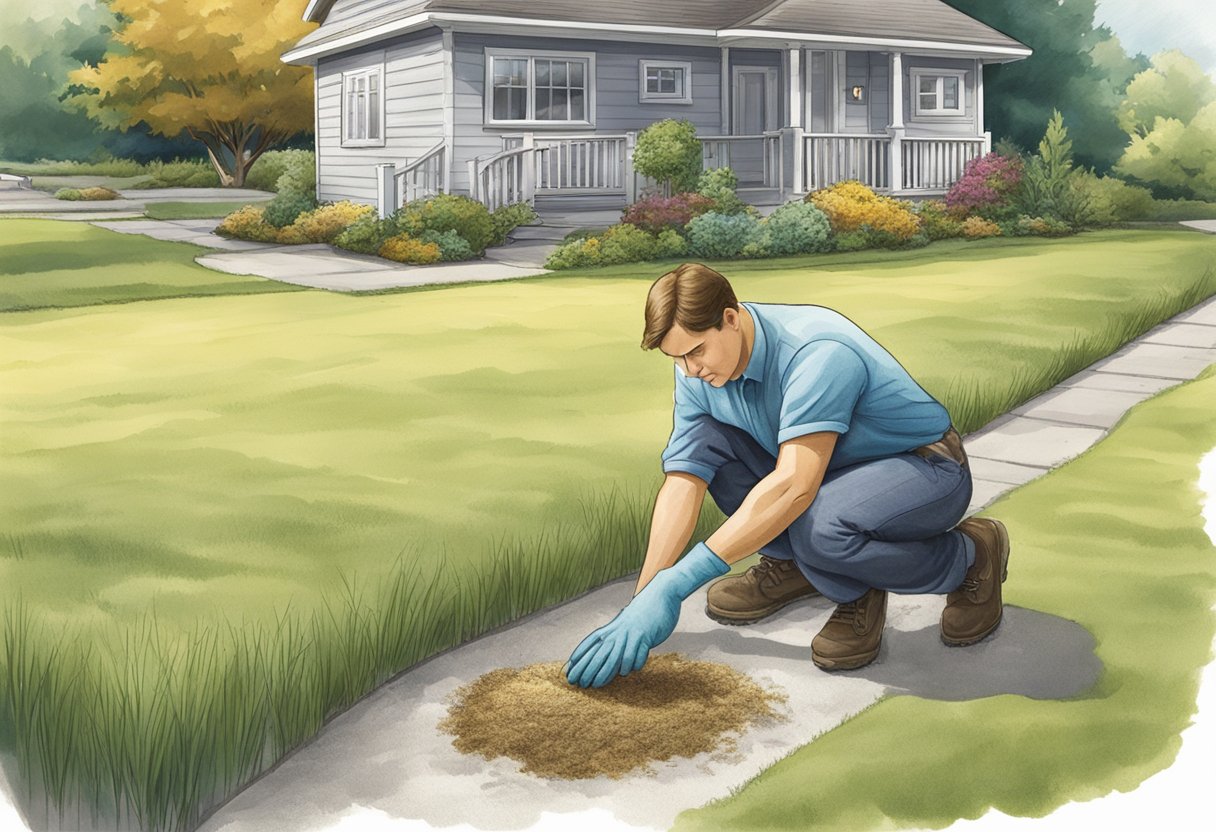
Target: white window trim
{"x":531,"y":121}
{"x":644,"y":97}
{"x":916,"y":74}
{"x":377,"y":70}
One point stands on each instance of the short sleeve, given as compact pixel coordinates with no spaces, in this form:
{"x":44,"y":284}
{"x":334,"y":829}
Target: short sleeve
{"x":678,"y":455}
{"x":820,"y":389}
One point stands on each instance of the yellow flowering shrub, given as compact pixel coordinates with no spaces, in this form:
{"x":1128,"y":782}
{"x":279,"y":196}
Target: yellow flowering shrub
{"x":323,"y":224}
{"x":849,"y":205}
{"x":976,"y":227}
{"x":405,"y":249}
{"x":247,"y":223}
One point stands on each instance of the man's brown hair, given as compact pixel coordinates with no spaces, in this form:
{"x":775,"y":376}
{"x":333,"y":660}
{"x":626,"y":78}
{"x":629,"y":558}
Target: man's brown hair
{"x":693,"y":296}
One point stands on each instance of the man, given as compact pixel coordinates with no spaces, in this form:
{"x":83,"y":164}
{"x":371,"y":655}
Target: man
{"x":826,"y":457}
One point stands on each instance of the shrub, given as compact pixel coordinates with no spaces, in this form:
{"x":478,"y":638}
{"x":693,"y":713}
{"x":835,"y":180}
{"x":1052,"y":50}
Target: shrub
{"x":447,"y":212}
{"x":670,"y":243}
{"x":849,"y":205}
{"x":796,"y":228}
{"x":576,"y":253}
{"x":852,"y":241}
{"x":624,"y":243}
{"x":670,"y":152}
{"x":1025,"y":226}
{"x":285,"y":208}
{"x":656,"y":213}
{"x":936,"y":222}
{"x":299,"y":165}
{"x":180,"y":173}
{"x":365,"y":235}
{"x":248,"y":223}
{"x":95,"y":193}
{"x":451,"y":245}
{"x":1046,"y":180}
{"x":406,"y":249}
{"x":719,"y":184}
{"x":988,"y":188}
{"x":508,"y":217}
{"x":976,"y":227}
{"x":721,"y":235}
{"x":323,"y":224}
{"x":621,"y":243}
{"x":1108,"y":200}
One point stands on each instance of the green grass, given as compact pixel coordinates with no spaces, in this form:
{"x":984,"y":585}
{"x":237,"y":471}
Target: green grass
{"x":190,"y":210}
{"x":209,"y":473}
{"x":1113,"y":540}
{"x":45,"y":263}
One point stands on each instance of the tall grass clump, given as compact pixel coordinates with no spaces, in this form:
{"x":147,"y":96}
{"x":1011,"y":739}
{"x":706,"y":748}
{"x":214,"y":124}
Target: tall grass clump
{"x":143,"y":725}
{"x":972,"y":407}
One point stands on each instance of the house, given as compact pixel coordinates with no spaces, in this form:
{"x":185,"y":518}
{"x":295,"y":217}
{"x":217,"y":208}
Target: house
{"x":507,"y":100}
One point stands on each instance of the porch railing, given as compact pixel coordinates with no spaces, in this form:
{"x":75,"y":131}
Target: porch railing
{"x":834,"y":157}
{"x":936,"y":164}
{"x":741,"y":153}
{"x":503,"y":178}
{"x":423,"y":177}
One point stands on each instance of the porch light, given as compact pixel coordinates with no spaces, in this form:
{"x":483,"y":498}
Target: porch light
{"x":857,"y":93}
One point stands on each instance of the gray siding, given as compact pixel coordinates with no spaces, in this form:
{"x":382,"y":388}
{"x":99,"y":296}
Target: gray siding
{"x":616,"y":78}
{"x":413,"y":113}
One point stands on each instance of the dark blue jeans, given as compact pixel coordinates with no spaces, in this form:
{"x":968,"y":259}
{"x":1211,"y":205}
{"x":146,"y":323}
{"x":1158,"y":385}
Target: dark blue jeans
{"x":883,"y":523}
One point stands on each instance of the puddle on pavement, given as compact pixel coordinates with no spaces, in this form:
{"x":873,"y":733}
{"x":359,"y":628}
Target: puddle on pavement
{"x":672,"y":707}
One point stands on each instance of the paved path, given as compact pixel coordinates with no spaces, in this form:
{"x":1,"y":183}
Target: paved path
{"x":384,"y":759}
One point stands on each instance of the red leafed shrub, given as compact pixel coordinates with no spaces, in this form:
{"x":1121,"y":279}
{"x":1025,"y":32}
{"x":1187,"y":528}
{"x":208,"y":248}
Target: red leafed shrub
{"x":655,"y":213}
{"x":987,"y":188}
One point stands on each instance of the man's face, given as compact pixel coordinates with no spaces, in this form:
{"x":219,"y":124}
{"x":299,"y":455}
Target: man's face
{"x":712,"y":355}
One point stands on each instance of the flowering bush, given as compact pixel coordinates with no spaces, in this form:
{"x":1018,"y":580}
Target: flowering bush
{"x":247,"y":223}
{"x":323,"y":224}
{"x":447,"y":212}
{"x":656,"y":213}
{"x":850,"y":205}
{"x":988,"y":188}
{"x":405,"y":249}
{"x":976,"y":227}
{"x":795,"y":228}
{"x":721,"y":235}
{"x":936,"y":221}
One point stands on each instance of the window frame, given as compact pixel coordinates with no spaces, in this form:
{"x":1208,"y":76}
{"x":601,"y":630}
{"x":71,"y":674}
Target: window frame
{"x":916,"y":73}
{"x":530,"y":120}
{"x":646,"y":97}
{"x":348,"y":77}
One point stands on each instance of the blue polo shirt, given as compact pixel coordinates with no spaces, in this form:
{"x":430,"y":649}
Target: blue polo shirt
{"x":811,"y":369}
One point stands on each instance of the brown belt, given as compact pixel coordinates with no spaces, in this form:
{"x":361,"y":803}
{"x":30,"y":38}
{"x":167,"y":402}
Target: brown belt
{"x":949,"y":446}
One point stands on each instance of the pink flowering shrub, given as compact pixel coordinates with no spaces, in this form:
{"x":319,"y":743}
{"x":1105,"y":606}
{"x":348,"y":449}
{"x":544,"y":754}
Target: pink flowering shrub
{"x":987,"y":189}
{"x":655,"y":213}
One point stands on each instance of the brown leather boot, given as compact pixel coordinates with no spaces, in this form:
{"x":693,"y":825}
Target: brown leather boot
{"x":974,"y":609}
{"x":853,"y":634}
{"x":758,"y":593}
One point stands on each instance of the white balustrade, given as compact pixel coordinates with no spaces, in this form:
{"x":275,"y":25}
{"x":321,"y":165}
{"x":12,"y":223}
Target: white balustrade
{"x":936,"y":164}
{"x":834,"y":157}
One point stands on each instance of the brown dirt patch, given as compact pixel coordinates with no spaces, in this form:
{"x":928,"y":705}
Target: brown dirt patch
{"x":672,"y":707}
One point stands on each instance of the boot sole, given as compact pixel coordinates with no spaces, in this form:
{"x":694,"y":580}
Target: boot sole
{"x":1003,"y":536}
{"x":845,"y":662}
{"x":743,"y":619}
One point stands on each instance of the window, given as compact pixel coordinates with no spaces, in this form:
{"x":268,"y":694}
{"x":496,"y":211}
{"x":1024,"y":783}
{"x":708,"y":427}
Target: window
{"x":539,"y":87}
{"x":665,"y":81}
{"x":363,"y":107}
{"x":938,"y":93}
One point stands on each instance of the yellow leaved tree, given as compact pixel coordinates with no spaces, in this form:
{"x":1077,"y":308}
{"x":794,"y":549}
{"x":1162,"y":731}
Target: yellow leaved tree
{"x":208,"y":67}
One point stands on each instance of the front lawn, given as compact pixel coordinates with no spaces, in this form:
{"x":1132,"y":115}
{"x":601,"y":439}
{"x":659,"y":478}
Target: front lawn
{"x":190,"y":210}
{"x":286,"y":498}
{"x":49,"y":263}
{"x":1113,"y":540}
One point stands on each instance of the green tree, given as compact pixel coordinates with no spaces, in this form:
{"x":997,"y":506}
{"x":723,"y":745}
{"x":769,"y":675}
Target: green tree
{"x":1062,"y":74}
{"x":1173,"y":86}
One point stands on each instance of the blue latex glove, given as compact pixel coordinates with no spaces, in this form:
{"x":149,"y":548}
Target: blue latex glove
{"x":623,"y":644}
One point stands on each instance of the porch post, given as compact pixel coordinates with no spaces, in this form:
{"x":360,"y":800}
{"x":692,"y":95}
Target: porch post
{"x":896,"y":129}
{"x":529,"y":162}
{"x":631,"y":185}
{"x":386,"y":189}
{"x":979,"y":104}
{"x":724,"y":91}
{"x":796,"y":104}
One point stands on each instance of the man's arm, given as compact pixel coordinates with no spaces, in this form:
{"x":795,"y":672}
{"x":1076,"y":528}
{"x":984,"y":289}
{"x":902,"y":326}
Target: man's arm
{"x":778,"y":499}
{"x":676,"y":509}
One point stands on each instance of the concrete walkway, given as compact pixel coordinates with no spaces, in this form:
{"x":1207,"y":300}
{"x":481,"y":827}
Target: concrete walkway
{"x":385,"y":760}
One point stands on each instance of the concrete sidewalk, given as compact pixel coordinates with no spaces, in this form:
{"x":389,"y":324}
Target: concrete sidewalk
{"x":384,"y":759}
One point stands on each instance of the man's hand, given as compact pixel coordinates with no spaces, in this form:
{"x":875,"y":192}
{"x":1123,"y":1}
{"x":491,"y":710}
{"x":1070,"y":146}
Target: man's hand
{"x":622,"y":645}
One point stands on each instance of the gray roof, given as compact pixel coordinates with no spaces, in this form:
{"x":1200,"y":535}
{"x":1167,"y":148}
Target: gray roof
{"x":898,"y":19}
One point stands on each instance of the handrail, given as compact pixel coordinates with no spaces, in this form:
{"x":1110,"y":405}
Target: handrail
{"x":506,"y":188}
{"x":421,"y":160}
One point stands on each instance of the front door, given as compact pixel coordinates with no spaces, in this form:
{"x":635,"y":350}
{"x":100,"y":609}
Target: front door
{"x":755,"y":112}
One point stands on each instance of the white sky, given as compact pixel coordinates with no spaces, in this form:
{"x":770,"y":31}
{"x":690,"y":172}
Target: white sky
{"x":1163,"y":24}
